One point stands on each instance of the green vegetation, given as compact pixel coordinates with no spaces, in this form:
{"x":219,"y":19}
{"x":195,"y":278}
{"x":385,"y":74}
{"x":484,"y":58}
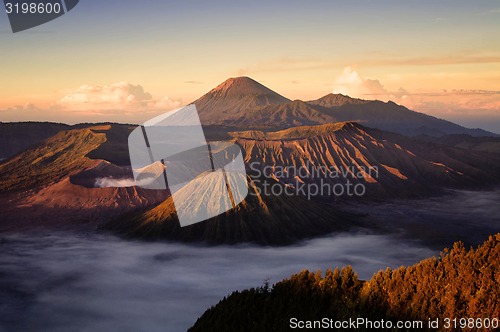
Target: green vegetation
{"x":460,"y":284}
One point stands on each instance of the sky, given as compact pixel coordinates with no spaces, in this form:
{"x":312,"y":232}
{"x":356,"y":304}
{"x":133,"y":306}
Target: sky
{"x":127,"y":61}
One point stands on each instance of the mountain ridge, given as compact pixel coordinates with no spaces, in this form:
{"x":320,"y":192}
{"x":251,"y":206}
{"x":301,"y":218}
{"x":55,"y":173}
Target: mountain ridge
{"x":405,"y":169}
{"x":336,"y":100}
{"x":57,"y":182}
{"x":242,"y":102}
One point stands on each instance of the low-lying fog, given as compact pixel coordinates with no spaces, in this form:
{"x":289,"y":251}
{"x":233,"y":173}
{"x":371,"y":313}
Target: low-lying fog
{"x":63,"y":282}
{"x":74,"y":282}
{"x":467,"y":216}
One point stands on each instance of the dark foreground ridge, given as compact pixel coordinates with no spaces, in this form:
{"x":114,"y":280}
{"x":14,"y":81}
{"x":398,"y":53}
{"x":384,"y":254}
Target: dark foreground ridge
{"x":461,"y":283}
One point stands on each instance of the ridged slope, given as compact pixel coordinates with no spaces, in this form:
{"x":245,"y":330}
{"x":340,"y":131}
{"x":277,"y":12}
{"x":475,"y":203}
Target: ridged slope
{"x":264,"y":219}
{"x":284,"y":218}
{"x":406,"y":171}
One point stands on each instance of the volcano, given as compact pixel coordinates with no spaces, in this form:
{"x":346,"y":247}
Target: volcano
{"x":235,"y":99}
{"x":242,"y":102}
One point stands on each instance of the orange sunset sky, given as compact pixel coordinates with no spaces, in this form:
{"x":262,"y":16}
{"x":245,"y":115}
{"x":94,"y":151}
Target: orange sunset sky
{"x":127,"y":61}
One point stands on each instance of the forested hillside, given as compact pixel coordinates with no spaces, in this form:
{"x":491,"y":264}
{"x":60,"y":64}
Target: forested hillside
{"x":460,"y":284}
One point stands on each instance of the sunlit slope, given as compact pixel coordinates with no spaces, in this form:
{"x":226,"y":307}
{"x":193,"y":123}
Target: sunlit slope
{"x":266,"y":219}
{"x":408,"y":168}
{"x":388,"y":164}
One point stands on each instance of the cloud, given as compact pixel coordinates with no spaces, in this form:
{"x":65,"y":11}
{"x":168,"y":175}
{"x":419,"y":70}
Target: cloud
{"x":118,"y":102}
{"x":351,"y":83}
{"x":28,"y":112}
{"x":493,"y":11}
{"x":456,"y":102}
{"x":112,"y":182}
{"x":453,"y":59}
{"x":165,"y":104}
{"x":169,"y":283}
{"x":26,"y":107}
{"x":118,"y":96}
{"x":452,"y":104}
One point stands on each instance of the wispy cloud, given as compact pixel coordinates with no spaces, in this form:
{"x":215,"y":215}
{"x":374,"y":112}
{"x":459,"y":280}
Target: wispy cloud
{"x":293,"y":64}
{"x":493,"y":11}
{"x":434,"y":60}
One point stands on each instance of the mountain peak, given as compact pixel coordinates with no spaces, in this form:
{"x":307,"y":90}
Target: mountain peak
{"x":241,"y":102}
{"x":239,"y":80}
{"x":235,"y":98}
{"x":243,"y":86}
{"x":336,"y":100}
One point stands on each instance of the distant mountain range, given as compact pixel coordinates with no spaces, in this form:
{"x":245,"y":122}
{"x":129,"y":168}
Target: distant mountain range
{"x":55,"y":174}
{"x":244,"y":103}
